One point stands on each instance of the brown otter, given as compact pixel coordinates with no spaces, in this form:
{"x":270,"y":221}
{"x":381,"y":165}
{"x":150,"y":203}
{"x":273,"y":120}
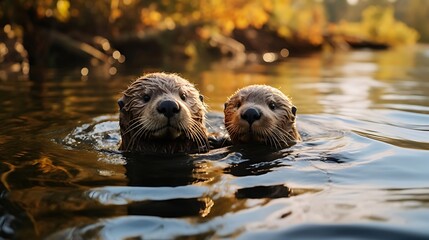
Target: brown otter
{"x":263,"y":115}
{"x":162,"y":113}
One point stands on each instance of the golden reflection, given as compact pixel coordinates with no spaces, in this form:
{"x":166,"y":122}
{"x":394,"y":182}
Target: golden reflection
{"x":208,"y":204}
{"x":225,"y":197}
{"x":395,"y":64}
{"x":221,"y":199}
{"x":42,"y":208}
{"x":58,"y":186}
{"x":47,"y":166}
{"x":5,"y":175}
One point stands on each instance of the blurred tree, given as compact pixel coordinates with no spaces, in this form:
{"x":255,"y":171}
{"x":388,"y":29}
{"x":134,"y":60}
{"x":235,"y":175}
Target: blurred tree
{"x":379,"y":25}
{"x":414,"y":13}
{"x":336,"y":10}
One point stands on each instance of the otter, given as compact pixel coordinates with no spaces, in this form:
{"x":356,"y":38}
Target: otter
{"x":263,"y":115}
{"x":162,"y":113}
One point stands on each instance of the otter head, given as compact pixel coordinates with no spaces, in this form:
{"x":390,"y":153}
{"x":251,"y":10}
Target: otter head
{"x":162,"y":113}
{"x":263,"y":115}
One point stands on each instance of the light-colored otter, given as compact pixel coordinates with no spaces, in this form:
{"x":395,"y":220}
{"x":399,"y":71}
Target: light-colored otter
{"x":162,"y":113}
{"x":263,"y":115}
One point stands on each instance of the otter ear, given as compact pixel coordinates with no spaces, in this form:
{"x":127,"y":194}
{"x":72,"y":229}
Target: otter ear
{"x":201,"y":98}
{"x":294,"y":110}
{"x":224,"y":105}
{"x":121,"y":103}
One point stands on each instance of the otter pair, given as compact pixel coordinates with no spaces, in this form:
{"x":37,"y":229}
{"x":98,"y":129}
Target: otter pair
{"x":164,"y":114}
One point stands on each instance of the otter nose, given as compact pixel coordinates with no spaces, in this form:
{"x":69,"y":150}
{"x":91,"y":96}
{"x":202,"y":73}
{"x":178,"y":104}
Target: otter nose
{"x":168,"y":108}
{"x":251,"y":115}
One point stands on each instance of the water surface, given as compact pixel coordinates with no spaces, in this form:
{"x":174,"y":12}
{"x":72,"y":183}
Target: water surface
{"x":362,"y":170}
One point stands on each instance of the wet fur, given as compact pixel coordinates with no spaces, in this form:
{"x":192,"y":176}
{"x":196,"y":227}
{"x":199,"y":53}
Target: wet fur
{"x":276,"y":127}
{"x":144,"y":129}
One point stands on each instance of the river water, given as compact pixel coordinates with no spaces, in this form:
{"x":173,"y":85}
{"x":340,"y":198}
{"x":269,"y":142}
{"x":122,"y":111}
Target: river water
{"x":362,"y":171}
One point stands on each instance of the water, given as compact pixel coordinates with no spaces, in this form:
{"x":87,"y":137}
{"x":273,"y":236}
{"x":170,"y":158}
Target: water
{"x":362,"y":171}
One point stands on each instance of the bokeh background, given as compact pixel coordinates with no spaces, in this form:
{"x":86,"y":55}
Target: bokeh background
{"x":79,"y":33}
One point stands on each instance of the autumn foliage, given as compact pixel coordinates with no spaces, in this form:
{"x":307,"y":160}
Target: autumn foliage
{"x":304,"y":22}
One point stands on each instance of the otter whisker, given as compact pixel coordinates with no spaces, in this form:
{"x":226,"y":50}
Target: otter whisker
{"x":133,"y":126}
{"x":201,"y":136}
{"x":279,"y":139}
{"x":277,"y":135}
{"x":272,"y":140}
{"x":135,"y":138}
{"x":142,"y":133}
{"x":198,"y":139}
{"x":132,"y":123}
{"x":192,"y":133}
{"x":130,"y":140}
{"x":288,"y":136}
{"x":232,"y":128}
{"x":188,"y":133}
{"x":204,"y":139}
{"x":281,"y":130}
{"x":208,"y":124}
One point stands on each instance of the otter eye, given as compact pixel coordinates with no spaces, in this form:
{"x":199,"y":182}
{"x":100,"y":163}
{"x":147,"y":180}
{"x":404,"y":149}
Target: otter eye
{"x":294,"y":110}
{"x":201,"y":98}
{"x":183,"y":96}
{"x":121,"y":103}
{"x":272,"y":105}
{"x":146,"y":98}
{"x":238,"y":105}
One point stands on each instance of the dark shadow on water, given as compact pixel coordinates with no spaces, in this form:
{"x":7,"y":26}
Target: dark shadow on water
{"x":174,"y":208}
{"x":277,"y":191}
{"x":255,"y":160}
{"x":155,"y":171}
{"x":162,"y":171}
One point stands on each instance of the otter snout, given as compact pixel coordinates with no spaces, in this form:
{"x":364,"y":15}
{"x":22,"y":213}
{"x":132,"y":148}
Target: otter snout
{"x":168,"y":108}
{"x":251,"y":115}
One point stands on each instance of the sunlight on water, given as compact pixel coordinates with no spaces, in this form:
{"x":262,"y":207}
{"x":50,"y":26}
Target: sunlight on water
{"x":361,"y":169}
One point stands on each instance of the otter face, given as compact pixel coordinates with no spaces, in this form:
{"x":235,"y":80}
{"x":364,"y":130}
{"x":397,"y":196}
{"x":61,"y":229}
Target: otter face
{"x":162,"y":113}
{"x":261,"y":114}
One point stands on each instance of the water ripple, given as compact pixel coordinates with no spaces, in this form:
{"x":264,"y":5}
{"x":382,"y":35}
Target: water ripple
{"x":124,"y":195}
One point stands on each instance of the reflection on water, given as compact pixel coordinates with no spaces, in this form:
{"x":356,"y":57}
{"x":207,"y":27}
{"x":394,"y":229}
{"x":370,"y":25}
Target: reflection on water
{"x":360,"y":171}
